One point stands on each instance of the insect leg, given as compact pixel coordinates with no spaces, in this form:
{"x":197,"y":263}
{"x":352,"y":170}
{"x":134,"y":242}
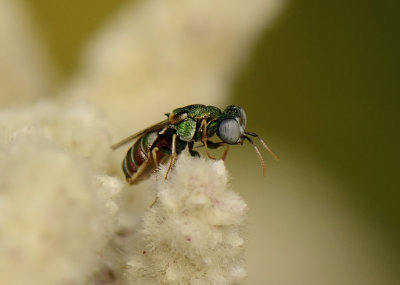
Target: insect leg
{"x":191,"y":151}
{"x":225,"y":152}
{"x":154,"y":155}
{"x":142,"y":168}
{"x":156,"y":163}
{"x":203,"y":128}
{"x":154,"y":202}
{"x":215,"y":145}
{"x":162,"y":131}
{"x":173,"y":155}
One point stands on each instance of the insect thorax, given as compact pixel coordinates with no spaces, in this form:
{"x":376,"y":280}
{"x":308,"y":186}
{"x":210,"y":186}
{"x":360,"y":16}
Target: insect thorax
{"x":188,"y":129}
{"x":199,"y":112}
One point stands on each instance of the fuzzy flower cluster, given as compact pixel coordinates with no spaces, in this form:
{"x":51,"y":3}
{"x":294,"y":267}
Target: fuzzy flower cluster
{"x":66,"y":216}
{"x":192,"y":234}
{"x":55,"y":203}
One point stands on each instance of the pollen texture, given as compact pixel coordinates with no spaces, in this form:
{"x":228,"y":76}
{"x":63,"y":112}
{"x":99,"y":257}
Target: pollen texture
{"x":192,"y":234}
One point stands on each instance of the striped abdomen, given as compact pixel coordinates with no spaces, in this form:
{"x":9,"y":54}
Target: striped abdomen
{"x":138,"y":162}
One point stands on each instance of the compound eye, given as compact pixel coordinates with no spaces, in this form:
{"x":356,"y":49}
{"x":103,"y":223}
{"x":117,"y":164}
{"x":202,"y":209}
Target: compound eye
{"x":229,"y":131}
{"x":243,"y":118}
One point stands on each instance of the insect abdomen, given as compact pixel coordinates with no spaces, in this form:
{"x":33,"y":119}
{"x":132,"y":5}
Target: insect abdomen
{"x":138,"y":155}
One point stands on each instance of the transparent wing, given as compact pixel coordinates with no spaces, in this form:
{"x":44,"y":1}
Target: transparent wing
{"x":157,"y":127}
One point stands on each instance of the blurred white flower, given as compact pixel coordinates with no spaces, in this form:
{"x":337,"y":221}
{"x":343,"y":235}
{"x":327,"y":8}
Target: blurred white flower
{"x":55,"y":213}
{"x":63,"y":216}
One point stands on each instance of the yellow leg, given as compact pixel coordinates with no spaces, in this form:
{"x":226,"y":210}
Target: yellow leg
{"x":142,"y":168}
{"x":225,"y":152}
{"x":203,"y":128}
{"x":155,"y":160}
{"x":154,"y":155}
{"x":154,"y":202}
{"x":173,"y":155}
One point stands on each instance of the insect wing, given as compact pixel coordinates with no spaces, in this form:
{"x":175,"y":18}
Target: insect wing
{"x":157,"y":127}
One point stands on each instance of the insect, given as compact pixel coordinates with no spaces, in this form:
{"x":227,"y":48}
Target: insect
{"x":182,"y":128}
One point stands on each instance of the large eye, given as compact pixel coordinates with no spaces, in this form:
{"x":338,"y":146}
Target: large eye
{"x":229,"y":131}
{"x":243,"y":118}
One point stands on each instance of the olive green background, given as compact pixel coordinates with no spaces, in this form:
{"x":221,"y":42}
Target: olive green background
{"x":326,"y":79}
{"x":323,"y":81}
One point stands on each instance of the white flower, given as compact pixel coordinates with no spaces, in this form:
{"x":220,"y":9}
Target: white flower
{"x":63,"y":218}
{"x":55,"y":213}
{"x":192,"y":234}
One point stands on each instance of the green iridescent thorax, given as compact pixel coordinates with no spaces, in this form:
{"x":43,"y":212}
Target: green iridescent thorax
{"x":195,"y":115}
{"x":199,"y":112}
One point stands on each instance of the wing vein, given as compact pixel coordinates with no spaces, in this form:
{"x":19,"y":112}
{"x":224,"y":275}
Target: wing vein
{"x":156,"y":127}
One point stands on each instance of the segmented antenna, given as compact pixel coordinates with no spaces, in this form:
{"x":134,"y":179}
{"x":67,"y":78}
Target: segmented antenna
{"x":264,"y":145}
{"x":258,"y":153}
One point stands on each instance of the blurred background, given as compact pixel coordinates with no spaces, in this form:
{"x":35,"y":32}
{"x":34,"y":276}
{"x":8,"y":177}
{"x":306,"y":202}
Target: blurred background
{"x":320,"y":87}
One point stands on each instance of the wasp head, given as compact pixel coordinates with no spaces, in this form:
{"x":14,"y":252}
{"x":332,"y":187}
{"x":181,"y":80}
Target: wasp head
{"x":232,"y":124}
{"x":231,"y":130}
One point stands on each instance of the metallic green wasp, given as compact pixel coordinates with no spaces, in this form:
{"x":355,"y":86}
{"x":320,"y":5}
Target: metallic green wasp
{"x":183,"y":127}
